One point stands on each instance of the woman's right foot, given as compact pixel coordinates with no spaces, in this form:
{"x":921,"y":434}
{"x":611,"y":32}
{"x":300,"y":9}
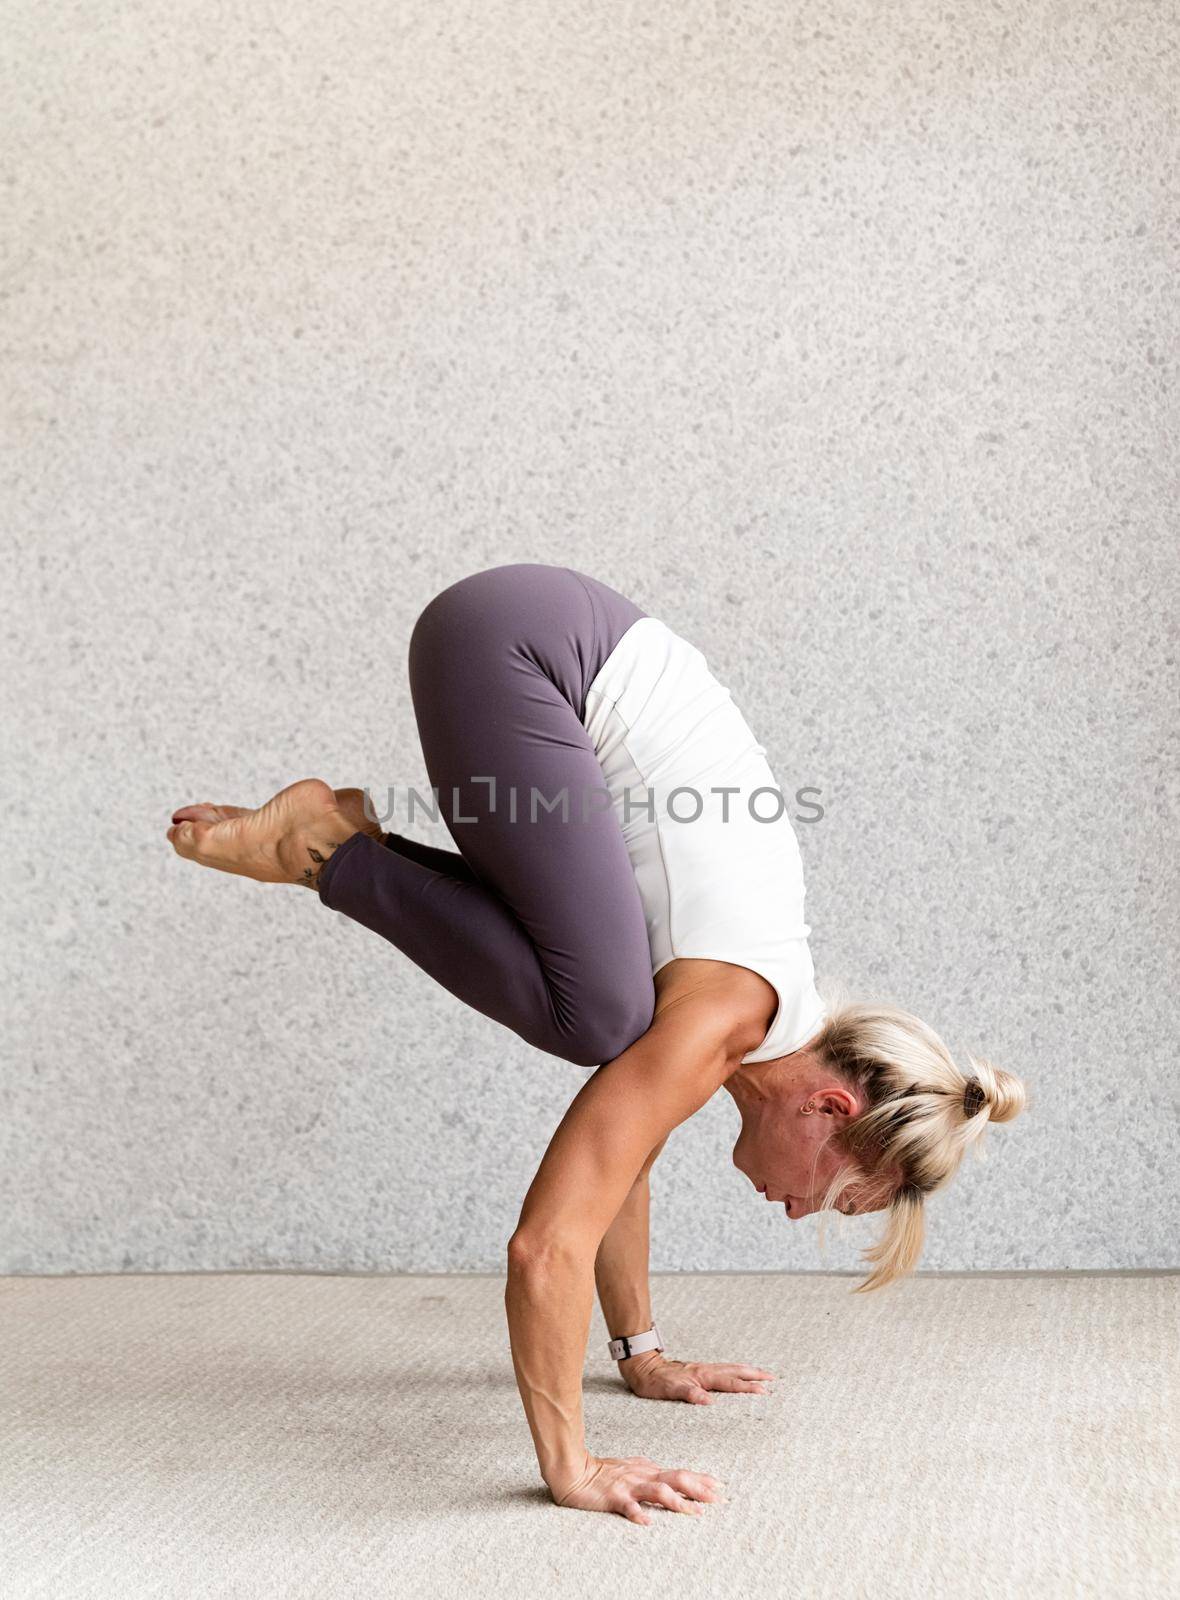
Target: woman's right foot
{"x":349,"y":802}
{"x":287,"y":840}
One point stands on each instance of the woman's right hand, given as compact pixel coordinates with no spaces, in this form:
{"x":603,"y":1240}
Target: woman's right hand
{"x":621,"y":1483}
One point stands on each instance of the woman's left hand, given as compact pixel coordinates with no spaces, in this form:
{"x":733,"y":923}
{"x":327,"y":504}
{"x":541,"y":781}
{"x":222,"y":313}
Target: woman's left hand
{"x":652,"y":1377}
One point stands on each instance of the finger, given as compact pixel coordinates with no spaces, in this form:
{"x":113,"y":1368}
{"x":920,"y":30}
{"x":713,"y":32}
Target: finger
{"x":633,"y":1514}
{"x":727,"y":1385}
{"x":695,"y":1485}
{"x":663,"y":1494}
{"x":692,"y":1394}
{"x":688,"y":1389}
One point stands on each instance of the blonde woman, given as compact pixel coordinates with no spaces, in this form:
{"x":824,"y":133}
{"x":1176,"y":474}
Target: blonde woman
{"x":628,"y":895}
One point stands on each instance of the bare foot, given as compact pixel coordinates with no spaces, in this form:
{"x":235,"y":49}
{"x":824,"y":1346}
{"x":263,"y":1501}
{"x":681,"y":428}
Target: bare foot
{"x":287,"y":840}
{"x":349,"y":802}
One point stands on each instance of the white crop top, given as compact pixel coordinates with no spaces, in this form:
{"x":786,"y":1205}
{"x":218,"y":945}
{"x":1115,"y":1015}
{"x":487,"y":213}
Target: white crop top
{"x":717,"y":889}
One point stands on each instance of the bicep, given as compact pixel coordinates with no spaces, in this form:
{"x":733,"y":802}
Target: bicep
{"x":616,"y":1124}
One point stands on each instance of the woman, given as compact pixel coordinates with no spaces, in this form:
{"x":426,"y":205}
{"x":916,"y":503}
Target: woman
{"x":625,"y":896}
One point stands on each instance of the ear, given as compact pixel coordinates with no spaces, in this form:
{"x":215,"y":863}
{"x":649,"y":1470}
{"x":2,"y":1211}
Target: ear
{"x":836,"y":1101}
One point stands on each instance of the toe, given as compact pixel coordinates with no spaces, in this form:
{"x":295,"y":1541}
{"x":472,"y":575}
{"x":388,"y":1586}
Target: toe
{"x":207,"y":812}
{"x":190,"y":838}
{"x":197,"y":813}
{"x":178,"y":836}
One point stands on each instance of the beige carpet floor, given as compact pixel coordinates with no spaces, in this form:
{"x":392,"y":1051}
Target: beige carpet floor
{"x":307,"y":1435}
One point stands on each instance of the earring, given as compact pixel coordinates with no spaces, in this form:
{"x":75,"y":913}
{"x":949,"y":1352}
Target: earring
{"x":808,"y":1108}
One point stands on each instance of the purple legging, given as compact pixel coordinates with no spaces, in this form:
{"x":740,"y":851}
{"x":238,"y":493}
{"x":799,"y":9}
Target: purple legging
{"x":537,"y":922}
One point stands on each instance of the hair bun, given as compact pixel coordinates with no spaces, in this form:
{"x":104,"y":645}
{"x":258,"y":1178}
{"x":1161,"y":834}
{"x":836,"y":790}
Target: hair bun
{"x":1001,"y":1092}
{"x":974,"y":1098}
{"x":1008,"y":1096}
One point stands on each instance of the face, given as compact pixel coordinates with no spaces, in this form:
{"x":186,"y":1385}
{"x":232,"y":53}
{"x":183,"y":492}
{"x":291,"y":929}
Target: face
{"x":788,"y":1149}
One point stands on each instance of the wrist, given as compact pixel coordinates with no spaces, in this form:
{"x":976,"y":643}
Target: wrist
{"x":627,"y":1346}
{"x":563,"y":1473}
{"x":640,"y":1366}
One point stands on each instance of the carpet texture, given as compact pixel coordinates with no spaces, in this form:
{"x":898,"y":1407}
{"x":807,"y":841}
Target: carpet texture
{"x":309,"y":1436}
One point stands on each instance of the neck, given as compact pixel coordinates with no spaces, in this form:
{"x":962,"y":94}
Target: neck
{"x":758,"y":1080}
{"x":765,"y":1080}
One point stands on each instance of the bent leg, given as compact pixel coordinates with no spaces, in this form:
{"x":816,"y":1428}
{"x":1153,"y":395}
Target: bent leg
{"x":538,"y":922}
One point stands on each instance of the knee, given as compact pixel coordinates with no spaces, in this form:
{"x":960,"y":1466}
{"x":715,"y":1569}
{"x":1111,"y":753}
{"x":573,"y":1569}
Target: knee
{"x":612,"y":1027}
{"x":492,"y":597}
{"x":460,"y":625}
{"x":441,"y":619}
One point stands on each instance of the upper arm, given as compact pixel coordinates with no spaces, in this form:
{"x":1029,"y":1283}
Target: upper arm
{"x":650,"y":1162}
{"x":619,"y":1115}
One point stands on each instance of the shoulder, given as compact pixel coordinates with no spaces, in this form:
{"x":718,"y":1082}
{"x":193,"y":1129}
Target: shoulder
{"x":732,"y":1004}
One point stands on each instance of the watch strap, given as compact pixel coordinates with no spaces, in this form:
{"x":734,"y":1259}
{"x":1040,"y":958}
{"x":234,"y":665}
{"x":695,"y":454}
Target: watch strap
{"x":635,"y":1344}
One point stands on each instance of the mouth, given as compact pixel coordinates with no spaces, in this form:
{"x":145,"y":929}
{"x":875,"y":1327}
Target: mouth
{"x":785,"y":1201}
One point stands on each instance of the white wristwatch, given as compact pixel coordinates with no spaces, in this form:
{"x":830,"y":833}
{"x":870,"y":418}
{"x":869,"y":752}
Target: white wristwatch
{"x":634,"y":1344}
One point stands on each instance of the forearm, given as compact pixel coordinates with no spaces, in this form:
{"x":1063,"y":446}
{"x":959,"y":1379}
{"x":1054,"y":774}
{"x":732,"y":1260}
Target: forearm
{"x":548,"y":1298}
{"x":602,"y":1146}
{"x":621,"y":1266}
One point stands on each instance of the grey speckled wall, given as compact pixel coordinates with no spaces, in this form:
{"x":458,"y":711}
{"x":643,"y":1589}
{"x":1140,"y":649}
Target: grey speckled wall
{"x":843,"y":337}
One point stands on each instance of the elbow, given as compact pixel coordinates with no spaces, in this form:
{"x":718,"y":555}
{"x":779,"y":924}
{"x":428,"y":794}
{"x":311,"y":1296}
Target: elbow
{"x":519,"y":1252}
{"x":540,"y":1252}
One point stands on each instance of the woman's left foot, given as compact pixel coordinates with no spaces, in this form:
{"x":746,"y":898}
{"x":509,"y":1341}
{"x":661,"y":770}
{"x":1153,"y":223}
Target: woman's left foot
{"x":287,"y":840}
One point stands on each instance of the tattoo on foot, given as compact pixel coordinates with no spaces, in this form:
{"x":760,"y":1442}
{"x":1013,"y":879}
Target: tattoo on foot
{"x":311,"y":875}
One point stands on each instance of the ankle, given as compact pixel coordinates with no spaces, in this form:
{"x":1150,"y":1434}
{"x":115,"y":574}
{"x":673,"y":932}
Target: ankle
{"x":307,"y":849}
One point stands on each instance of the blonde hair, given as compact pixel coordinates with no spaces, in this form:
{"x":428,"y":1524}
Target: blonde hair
{"x":922,"y":1114}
